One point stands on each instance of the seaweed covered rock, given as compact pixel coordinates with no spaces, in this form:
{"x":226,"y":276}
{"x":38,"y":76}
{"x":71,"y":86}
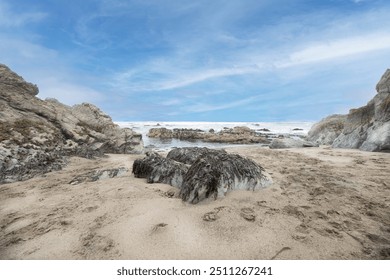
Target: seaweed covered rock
{"x":217,"y":172}
{"x":157,"y":169}
{"x":188,"y":155}
{"x":212,"y":173}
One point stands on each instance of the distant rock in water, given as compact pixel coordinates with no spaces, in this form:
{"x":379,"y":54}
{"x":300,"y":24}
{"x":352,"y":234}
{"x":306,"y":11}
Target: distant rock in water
{"x":211,"y":174}
{"x":366,"y":128}
{"x":36,"y":136}
{"x":236,"y":135}
{"x":285,"y":143}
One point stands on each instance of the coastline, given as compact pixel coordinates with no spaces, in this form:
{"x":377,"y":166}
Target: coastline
{"x":324,"y":204}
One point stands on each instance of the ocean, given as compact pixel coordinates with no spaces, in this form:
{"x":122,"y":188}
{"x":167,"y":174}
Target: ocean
{"x":293,"y":129}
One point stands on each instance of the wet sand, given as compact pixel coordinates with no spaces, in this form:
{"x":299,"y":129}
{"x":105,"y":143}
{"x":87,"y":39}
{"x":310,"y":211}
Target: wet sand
{"x":324,"y":204}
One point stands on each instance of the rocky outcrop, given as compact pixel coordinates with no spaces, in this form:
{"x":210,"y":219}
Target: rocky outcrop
{"x":327,"y":130}
{"x":285,"y":143}
{"x":366,"y":128}
{"x":36,"y":135}
{"x":212,"y":174}
{"x":236,"y":135}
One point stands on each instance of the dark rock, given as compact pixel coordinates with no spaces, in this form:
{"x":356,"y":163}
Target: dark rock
{"x":297,"y":129}
{"x":217,"y":172}
{"x":157,"y":169}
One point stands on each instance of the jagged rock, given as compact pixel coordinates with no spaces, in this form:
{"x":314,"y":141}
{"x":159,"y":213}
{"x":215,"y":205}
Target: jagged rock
{"x":236,"y":135}
{"x":217,"y":172}
{"x":51,"y":131}
{"x":98,"y":175}
{"x":366,"y":128}
{"x":285,"y":143}
{"x":188,"y":155}
{"x":327,"y":130}
{"x":157,"y":169}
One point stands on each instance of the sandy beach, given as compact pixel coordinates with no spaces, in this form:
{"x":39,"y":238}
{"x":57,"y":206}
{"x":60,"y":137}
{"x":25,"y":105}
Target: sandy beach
{"x":323,"y":204}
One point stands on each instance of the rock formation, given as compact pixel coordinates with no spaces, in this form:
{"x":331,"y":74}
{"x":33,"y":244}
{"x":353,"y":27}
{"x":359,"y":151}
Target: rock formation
{"x":327,"y":130}
{"x":212,"y":174}
{"x":236,"y":135}
{"x":285,"y":143}
{"x":157,"y":169}
{"x":36,"y":135}
{"x":366,"y":128}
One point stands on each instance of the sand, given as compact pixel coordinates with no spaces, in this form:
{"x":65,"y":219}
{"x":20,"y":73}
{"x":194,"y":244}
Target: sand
{"x":324,"y":204}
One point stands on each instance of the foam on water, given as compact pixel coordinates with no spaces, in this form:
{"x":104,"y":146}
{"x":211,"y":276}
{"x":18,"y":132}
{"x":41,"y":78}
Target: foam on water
{"x":283,"y":128}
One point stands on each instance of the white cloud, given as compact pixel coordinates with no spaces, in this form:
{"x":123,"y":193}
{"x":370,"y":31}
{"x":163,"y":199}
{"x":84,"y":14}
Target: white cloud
{"x":322,"y":51}
{"x":8,"y":18}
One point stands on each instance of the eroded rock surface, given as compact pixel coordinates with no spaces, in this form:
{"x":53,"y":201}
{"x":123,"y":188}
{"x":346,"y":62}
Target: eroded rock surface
{"x":366,"y":128}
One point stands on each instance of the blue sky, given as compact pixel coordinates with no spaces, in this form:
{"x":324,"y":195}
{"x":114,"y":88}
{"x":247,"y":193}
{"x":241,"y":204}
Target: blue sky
{"x":179,"y":60}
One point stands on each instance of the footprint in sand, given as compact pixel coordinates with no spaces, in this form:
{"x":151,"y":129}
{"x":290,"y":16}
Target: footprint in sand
{"x":158,"y":227}
{"x":213,"y":215}
{"x":210,"y":217}
{"x":248,"y":214}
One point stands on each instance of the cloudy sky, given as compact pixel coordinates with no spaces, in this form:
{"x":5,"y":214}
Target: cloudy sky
{"x":201,"y":60}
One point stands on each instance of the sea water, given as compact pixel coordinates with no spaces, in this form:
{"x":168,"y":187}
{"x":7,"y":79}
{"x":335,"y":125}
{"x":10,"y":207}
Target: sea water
{"x":292,"y":129}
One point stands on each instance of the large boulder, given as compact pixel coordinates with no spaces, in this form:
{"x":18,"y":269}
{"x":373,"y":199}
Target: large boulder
{"x":37,"y":135}
{"x":212,"y":174}
{"x":366,"y":128}
{"x":286,"y":143}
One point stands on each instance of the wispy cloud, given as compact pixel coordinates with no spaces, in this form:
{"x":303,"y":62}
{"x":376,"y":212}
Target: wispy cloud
{"x":9,"y":18}
{"x":322,"y":51}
